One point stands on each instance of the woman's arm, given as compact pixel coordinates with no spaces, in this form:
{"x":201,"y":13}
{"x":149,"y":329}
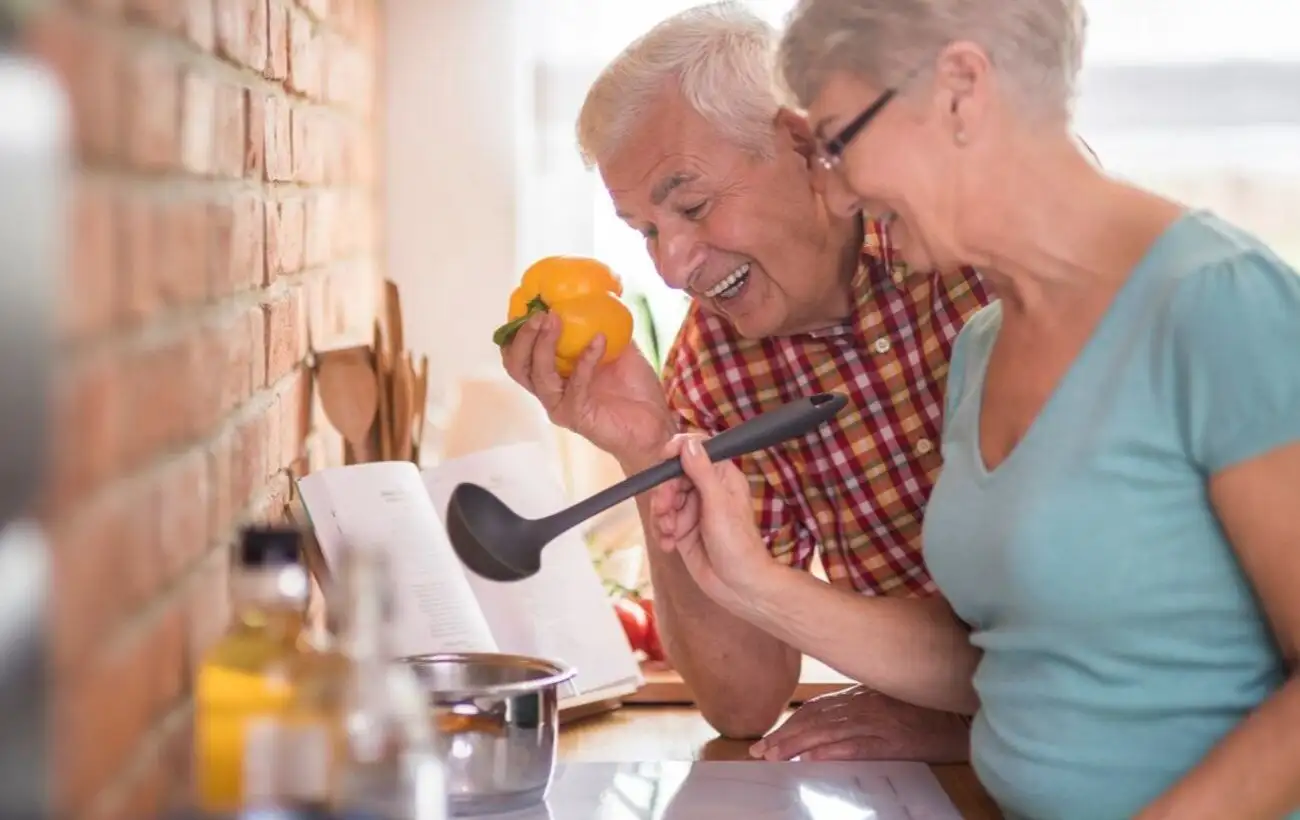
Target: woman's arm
{"x":912,"y":649}
{"x":1255,"y":771}
{"x":915,"y":650}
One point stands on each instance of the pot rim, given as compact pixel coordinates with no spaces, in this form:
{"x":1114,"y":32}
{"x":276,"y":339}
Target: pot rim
{"x":555,"y":673}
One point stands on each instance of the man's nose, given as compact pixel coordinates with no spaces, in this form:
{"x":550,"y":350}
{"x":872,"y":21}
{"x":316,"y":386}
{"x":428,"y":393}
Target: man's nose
{"x":679,"y":254}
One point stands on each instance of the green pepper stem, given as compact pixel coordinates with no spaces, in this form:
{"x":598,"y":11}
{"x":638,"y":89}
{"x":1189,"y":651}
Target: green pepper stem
{"x":506,"y":332}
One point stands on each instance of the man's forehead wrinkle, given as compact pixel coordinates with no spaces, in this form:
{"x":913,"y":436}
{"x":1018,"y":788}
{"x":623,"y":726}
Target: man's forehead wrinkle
{"x":666,"y":185}
{"x":677,"y":175}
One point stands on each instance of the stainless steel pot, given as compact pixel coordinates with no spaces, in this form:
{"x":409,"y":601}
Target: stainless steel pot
{"x":498,"y":723}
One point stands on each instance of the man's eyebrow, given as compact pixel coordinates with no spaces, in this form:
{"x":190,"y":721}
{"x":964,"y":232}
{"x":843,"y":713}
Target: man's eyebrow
{"x":668,"y":183}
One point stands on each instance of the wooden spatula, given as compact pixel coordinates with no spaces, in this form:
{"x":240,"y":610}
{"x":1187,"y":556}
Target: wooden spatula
{"x":348,"y":394}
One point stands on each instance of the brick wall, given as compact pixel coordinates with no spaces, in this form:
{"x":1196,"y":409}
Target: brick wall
{"x":224,"y":205}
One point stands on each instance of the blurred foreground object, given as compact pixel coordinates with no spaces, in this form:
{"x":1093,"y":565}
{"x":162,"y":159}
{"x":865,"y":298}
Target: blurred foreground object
{"x":34,"y":160}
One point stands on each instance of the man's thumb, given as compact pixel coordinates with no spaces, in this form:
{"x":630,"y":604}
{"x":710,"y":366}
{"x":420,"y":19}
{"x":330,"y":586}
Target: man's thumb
{"x":699,"y":469}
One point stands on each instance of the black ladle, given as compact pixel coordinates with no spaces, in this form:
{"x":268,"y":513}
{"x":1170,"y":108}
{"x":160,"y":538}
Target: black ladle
{"x":499,"y":545}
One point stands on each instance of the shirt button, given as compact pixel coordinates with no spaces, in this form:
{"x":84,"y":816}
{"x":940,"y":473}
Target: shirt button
{"x":924,"y":446}
{"x":898,"y":277}
{"x":881,"y":345}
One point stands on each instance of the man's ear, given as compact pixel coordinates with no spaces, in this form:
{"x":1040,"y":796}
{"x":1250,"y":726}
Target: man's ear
{"x":794,"y":126}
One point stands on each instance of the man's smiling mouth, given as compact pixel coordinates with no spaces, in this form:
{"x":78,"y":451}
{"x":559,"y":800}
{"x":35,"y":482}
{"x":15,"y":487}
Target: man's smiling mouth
{"x":731,"y":286}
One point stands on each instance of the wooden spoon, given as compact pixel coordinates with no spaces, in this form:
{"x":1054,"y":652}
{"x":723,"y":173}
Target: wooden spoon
{"x":348,"y":395}
{"x":421,"y":408}
{"x":383,"y":374}
{"x":403,"y":393}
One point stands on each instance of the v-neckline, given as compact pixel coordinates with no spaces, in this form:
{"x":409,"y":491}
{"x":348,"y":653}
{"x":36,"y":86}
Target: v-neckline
{"x":1120,"y":303}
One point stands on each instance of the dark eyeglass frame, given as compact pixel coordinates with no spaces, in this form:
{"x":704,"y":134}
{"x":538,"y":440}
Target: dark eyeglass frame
{"x":832,"y":151}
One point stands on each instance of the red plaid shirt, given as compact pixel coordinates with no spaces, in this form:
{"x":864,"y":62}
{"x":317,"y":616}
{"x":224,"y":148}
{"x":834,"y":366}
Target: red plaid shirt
{"x":857,"y":492}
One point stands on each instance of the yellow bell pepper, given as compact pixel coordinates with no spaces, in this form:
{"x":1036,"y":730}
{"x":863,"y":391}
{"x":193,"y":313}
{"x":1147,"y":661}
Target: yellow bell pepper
{"x":584,"y":294}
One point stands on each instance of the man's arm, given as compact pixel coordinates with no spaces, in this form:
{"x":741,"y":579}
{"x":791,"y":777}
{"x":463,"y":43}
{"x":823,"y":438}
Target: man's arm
{"x":741,"y":677}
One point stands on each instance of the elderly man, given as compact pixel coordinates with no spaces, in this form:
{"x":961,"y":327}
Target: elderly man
{"x":794,"y":293}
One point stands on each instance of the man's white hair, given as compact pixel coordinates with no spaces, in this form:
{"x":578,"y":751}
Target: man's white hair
{"x":1035,"y":45}
{"x":722,"y":57}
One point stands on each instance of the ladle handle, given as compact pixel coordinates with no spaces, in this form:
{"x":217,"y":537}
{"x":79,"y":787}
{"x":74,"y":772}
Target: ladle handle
{"x":788,"y":421}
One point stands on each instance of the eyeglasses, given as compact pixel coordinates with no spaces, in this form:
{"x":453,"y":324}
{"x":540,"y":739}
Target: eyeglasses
{"x":831,"y":153}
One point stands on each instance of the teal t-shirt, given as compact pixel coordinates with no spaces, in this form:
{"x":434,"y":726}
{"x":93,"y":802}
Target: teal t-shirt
{"x":1121,"y":639}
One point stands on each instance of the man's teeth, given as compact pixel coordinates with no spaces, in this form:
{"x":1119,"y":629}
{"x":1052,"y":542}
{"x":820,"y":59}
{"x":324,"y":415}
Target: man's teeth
{"x":731,"y":285}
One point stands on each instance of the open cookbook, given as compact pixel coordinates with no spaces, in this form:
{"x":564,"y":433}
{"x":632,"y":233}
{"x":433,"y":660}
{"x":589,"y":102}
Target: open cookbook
{"x":562,"y":613}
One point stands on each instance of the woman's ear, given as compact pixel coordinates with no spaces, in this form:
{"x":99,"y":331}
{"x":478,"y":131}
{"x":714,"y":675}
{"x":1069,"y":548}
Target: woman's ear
{"x":963,"y":76}
{"x":793,"y":127}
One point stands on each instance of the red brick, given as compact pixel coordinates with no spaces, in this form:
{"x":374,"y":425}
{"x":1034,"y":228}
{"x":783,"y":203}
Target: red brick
{"x":100,"y":6}
{"x":306,"y":57}
{"x":153,"y":133}
{"x":256,"y":319}
{"x":285,"y":236}
{"x":238,"y":244}
{"x":200,"y":23}
{"x":277,"y":138}
{"x":185,"y":232}
{"x":208,"y":605}
{"x":168,"y":15}
{"x":285,"y":337}
{"x":91,"y":71}
{"x":198,"y":123}
{"x":161,"y":404}
{"x":89,"y":414}
{"x":164,"y":255}
{"x":277,"y":58}
{"x":86,"y":304}
{"x":320,"y":223}
{"x":248,"y":460}
{"x":183,"y":506}
{"x":254,"y":134}
{"x":241,"y":32}
{"x":220,"y":457}
{"x":229,"y":354}
{"x":295,"y":419}
{"x":231,"y":131}
{"x":93,"y":741}
{"x":312,"y":132}
{"x":112,"y":537}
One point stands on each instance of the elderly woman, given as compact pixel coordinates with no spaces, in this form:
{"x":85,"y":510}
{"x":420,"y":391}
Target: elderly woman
{"x":1116,"y":529}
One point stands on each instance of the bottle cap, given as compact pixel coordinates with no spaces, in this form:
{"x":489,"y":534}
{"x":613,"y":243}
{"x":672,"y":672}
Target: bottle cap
{"x":270,"y":546}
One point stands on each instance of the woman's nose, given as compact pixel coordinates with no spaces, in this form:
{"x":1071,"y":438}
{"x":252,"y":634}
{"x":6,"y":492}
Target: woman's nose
{"x":840,"y":199}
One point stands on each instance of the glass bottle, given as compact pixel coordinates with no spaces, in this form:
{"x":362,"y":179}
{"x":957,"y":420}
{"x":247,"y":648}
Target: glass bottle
{"x":389,"y":767}
{"x":245,"y":685}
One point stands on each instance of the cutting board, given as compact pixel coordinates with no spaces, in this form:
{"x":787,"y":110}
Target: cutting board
{"x":664,"y":685}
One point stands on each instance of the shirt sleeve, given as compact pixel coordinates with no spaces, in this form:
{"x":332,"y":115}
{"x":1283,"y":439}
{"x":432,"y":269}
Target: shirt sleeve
{"x":1236,"y":347}
{"x":785,"y":536}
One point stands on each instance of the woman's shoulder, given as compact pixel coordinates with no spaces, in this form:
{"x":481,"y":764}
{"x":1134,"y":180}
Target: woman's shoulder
{"x":1204,"y":252}
{"x":1222,"y":279}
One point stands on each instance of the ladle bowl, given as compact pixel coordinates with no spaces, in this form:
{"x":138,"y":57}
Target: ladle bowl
{"x":500,"y":545}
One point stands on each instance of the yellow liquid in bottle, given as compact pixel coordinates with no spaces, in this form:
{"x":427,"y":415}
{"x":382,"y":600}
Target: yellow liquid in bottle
{"x":247,"y":677}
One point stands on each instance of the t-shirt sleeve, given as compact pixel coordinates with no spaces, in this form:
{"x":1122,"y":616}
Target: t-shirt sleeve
{"x":1236,"y":347}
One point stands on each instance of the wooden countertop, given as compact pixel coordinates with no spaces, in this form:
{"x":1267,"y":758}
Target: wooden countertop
{"x":641,"y":732}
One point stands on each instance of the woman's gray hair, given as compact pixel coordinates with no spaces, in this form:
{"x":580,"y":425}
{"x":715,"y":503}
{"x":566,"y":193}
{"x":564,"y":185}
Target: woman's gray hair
{"x":1035,"y":45}
{"x":723,"y":58}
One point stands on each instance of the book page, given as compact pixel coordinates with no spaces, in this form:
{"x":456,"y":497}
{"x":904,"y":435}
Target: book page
{"x":562,"y":612}
{"x":385,"y":504}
